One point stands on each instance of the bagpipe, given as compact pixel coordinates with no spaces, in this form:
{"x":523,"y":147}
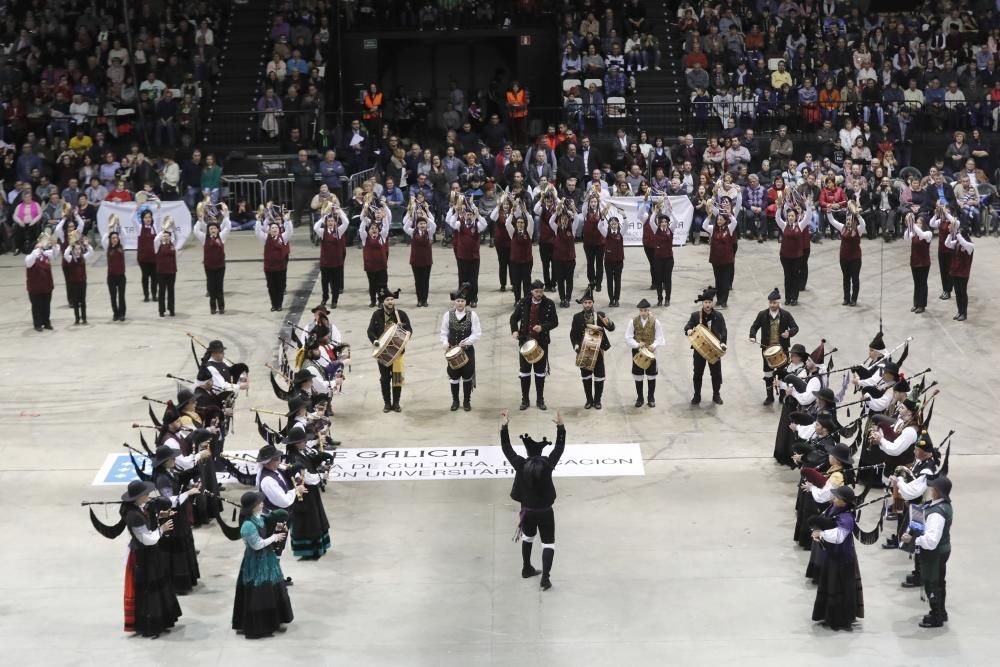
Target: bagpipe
{"x":158,"y":507}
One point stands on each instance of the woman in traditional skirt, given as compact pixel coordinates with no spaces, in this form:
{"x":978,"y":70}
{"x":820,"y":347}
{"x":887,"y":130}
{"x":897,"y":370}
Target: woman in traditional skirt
{"x":261,"y":606}
{"x":820,"y":487}
{"x":839,"y":596}
{"x":150,"y":602}
{"x":178,"y":548}
{"x":812,"y":455}
{"x":310,"y":527}
{"x":793,"y":400}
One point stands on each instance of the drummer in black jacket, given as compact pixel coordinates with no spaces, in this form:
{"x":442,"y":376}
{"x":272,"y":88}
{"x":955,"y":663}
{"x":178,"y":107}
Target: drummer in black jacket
{"x":712,"y":319}
{"x":593,"y":380}
{"x":777,"y":326}
{"x":533,"y":488}
{"x":382,"y":319}
{"x":533,"y":318}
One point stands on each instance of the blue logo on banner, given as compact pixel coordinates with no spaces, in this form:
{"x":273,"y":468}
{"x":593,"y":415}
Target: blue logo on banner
{"x":122,"y":471}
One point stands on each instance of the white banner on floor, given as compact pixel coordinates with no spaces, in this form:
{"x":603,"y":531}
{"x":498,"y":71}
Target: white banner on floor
{"x":427,"y":463}
{"x":126,"y":212}
{"x":635,"y":210}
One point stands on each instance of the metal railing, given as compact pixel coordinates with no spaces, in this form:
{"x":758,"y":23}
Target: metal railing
{"x":243,"y":187}
{"x":356,"y":180}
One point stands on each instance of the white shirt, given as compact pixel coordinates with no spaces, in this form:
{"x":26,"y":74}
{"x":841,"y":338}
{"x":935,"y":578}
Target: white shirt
{"x":275,"y":495}
{"x":933,"y":530}
{"x":903,"y":441}
{"x":630,"y":334}
{"x":181,"y":462}
{"x":477,"y":330}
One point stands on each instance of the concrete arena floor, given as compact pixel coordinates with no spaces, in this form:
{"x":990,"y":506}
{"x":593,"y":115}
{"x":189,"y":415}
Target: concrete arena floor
{"x":691,"y":564}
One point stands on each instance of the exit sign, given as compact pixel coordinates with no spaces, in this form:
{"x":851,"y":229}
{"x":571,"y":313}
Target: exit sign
{"x":525,"y":40}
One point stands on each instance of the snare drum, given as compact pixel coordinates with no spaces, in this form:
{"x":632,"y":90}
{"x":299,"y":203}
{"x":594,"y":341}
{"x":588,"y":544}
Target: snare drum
{"x":706,"y":344}
{"x":590,"y":347}
{"x":391,"y":344}
{"x":644,"y":358}
{"x":532,"y":352}
{"x":456,"y":357}
{"x":775,"y":357}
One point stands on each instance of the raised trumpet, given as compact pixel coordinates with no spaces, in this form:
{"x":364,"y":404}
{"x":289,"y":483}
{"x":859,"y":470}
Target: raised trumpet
{"x":114,"y":225}
{"x":168,"y":225}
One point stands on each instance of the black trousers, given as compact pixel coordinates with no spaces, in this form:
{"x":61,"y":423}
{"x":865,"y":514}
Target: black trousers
{"x":562,"y":273}
{"x":503,"y":262}
{"x":961,"y":294}
{"x":165,"y":282}
{"x":78,"y":299}
{"x":614,"y":273}
{"x":466,"y":372}
{"x":539,"y":369}
{"x":421,"y":282}
{"x":276,"y":287}
{"x":803,"y":270}
{"x":933,"y":574}
{"x":540,"y":523}
{"x":650,"y":257}
{"x":468,"y":272}
{"x":520,"y":279}
{"x":724,"y":281}
{"x":332,"y":280}
{"x":376,"y":279}
{"x":545,"y":251}
{"x":790,"y":266}
{"x":920,"y":274}
{"x":663,"y":276}
{"x":148,"y":279}
{"x":595,"y":264}
{"x":715,"y":370}
{"x":41,"y":306}
{"x":215,"y":283}
{"x":851,"y":271}
{"x":116,"y":289}
{"x":884,"y":222}
{"x":944,"y":263}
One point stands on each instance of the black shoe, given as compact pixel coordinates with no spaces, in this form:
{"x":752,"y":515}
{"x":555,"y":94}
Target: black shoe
{"x":370,"y":305}
{"x":503,"y":288}
{"x":666,"y":303}
{"x":145,"y":299}
{"x":961,"y":318}
{"x":222,"y":311}
{"x":914,"y":308}
{"x":717,"y":398}
{"x":651,"y":403}
{"x":38,"y":328}
{"x":891,"y":543}
{"x":454,"y":405}
{"x":17,"y":251}
{"x":769,"y":399}
{"x":597,"y":288}
{"x":696,"y":399}
{"x":524,"y":404}
{"x":846,"y":302}
{"x":918,"y":311}
{"x":386,"y":407}
{"x":931,"y":621}
{"x":639,"y":402}
{"x":527,"y":572}
{"x":651,"y":287}
{"x":659,"y":302}
{"x":47,"y":325}
{"x":545,"y":584}
{"x":854,"y":303}
{"x":214,"y":311}
{"x":540,"y":404}
{"x":288,"y":581}
{"x":588,"y":405}
{"x":172,"y":313}
{"x":597,"y":405}
{"x":467,"y":406}
{"x":333,"y":306}
{"x":910,"y":582}
{"x":396,"y":407}
{"x":164,"y":314}
{"x":945,"y":296}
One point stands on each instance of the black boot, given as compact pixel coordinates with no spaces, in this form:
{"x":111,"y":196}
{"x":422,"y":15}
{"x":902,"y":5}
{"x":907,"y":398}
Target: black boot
{"x":386,"y":397}
{"x":540,"y":393}
{"x":454,"y":396}
{"x":589,"y":392}
{"x":525,"y":389}
{"x":547,"y":554}
{"x":527,"y":571}
{"x":396,"y":393}
{"x":76,"y":314}
{"x":598,"y":392}
{"x":221,"y":303}
{"x":651,"y":399}
{"x":638,"y":394}
{"x":769,"y":399}
{"x":467,"y":395}
{"x":716,"y":395}
{"x":83,"y":313}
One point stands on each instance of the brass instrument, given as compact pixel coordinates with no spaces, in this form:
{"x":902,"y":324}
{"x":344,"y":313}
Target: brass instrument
{"x":168,"y":225}
{"x":114,"y":225}
{"x":45,"y":240}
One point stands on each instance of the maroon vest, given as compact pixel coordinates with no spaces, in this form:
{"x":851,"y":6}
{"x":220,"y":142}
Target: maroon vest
{"x":850,"y":246}
{"x":591,"y":234}
{"x":275,"y":254}
{"x":920,"y":253}
{"x":331,"y":250}
{"x":467,"y":242}
{"x":145,"y":249}
{"x":564,"y":249}
{"x":376,"y":255}
{"x":166,"y":259}
{"x":520,"y":248}
{"x":943,"y":231}
{"x":501,"y":239}
{"x":664,"y":244}
{"x":214,"y":255}
{"x":40,"y":277}
{"x":961,"y":264}
{"x":545,"y":233}
{"x":614,"y":248}
{"x":75,"y":271}
{"x":791,"y":246}
{"x":116,"y":262}
{"x":720,"y":249}
{"x":420,"y":249}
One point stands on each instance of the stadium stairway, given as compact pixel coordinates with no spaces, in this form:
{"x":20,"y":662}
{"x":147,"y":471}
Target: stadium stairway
{"x":661,"y":96}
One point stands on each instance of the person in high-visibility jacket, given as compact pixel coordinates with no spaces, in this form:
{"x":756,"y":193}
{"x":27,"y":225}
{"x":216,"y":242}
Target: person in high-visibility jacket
{"x":373,"y":107}
{"x":517,"y":113}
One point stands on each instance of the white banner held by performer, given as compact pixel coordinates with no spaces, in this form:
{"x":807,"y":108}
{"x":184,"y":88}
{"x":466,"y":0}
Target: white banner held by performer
{"x":127,"y":216}
{"x":635,"y":210}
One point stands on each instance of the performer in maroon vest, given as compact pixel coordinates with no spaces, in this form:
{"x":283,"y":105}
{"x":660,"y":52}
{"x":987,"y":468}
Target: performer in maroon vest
{"x":503,"y":213}
{"x":330,"y":230}
{"x":75,"y":269}
{"x":961,"y":265}
{"x":920,"y":259}
{"x":40,"y":285}
{"x":112,"y":242}
{"x":544,"y":211}
{"x":276,"y":237}
{"x":565,"y":225}
{"x":146,"y":255}
{"x":851,"y":232}
{"x":420,"y":228}
{"x":213,"y":241}
{"x":942,"y":222}
{"x":722,"y":249}
{"x":375,"y":253}
{"x":663,"y":255}
{"x":614,"y":258}
{"x":520,"y":232}
{"x":468,"y":225}
{"x":166,"y":268}
{"x":593,"y":240}
{"x":790,"y":251}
